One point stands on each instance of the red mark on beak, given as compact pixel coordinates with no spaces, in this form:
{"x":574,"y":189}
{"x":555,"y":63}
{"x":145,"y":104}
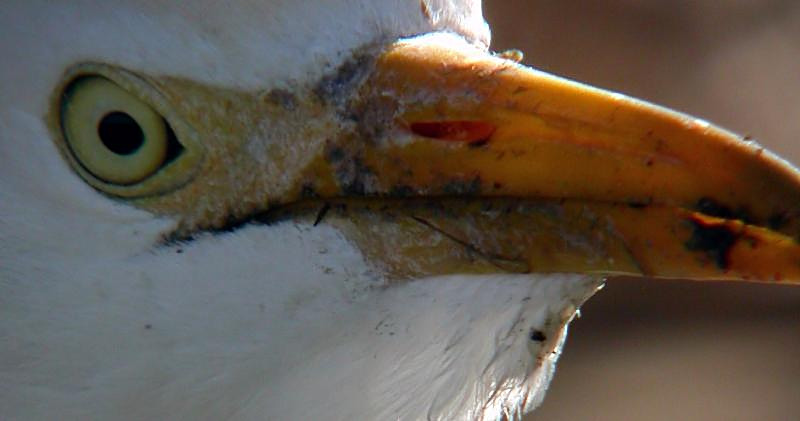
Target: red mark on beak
{"x":472,"y":132}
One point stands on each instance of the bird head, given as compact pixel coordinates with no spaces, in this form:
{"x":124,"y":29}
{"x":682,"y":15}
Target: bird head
{"x":333,"y":209}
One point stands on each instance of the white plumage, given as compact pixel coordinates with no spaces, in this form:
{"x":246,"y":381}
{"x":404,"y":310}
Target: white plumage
{"x":99,"y":320}
{"x":303,"y":210}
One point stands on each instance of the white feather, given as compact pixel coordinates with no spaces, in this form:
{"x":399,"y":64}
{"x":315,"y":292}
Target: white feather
{"x":285,"y":322}
{"x":279,"y":322}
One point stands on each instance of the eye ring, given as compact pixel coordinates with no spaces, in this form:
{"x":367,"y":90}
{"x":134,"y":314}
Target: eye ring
{"x":113,"y":134}
{"x":185,"y":152}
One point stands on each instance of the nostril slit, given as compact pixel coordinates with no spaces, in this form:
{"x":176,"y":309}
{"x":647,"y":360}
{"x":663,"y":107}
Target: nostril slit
{"x":455,"y":131}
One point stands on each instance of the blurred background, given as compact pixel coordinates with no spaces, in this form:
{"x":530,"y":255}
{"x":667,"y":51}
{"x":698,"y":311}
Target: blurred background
{"x":667,"y":350}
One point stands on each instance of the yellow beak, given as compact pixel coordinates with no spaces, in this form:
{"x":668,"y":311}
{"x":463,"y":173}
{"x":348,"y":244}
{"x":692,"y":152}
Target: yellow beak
{"x":590,"y":181}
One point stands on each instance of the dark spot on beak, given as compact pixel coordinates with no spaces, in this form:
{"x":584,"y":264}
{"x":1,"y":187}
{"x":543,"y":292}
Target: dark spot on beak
{"x":478,"y":144}
{"x":777,"y":221}
{"x":716,"y":240}
{"x":637,"y":204}
{"x":333,"y":88}
{"x":537,"y":335}
{"x":711,"y":207}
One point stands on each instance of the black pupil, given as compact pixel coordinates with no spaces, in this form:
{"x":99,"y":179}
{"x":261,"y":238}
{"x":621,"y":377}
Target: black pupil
{"x":120,"y":133}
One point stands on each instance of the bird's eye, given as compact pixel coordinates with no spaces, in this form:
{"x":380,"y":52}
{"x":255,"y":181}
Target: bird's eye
{"x":112,"y":134}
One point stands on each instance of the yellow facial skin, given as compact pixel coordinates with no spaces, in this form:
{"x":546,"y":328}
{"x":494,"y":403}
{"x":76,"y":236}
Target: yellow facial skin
{"x":438,"y":159}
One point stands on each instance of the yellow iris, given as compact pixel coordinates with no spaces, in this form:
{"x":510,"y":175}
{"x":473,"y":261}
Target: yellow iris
{"x":112,"y":133}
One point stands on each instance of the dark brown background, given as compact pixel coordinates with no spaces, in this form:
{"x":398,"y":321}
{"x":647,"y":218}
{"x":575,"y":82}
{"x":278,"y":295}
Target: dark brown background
{"x":667,"y":350}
